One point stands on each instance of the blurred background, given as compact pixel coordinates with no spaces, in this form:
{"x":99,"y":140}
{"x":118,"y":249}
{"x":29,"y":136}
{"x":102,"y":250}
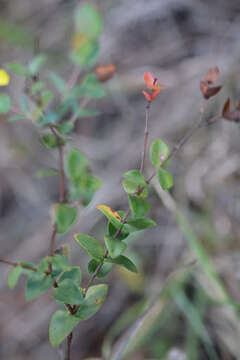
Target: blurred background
{"x":183,"y":304}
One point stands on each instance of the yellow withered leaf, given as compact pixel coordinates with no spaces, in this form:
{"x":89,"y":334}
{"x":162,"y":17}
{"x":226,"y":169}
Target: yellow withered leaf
{"x":107,"y":210}
{"x":4,"y":78}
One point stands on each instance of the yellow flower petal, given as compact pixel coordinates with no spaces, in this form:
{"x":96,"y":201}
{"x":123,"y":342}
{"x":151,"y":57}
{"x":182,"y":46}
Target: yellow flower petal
{"x":4,"y":78}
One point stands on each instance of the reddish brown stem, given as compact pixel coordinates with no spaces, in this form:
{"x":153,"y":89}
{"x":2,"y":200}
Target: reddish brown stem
{"x":145,"y":141}
{"x":69,"y":342}
{"x":60,"y":165}
{"x":181,"y":143}
{"x":8,"y":262}
{"x":61,"y":175}
{"x":12,"y":263}
{"x":53,"y":240}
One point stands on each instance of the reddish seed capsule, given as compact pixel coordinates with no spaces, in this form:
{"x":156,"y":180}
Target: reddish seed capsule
{"x":105,"y":72}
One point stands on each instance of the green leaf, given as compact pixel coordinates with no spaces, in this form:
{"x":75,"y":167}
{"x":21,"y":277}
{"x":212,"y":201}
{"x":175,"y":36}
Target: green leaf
{"x":15,"y":118}
{"x":139,"y":207}
{"x":61,"y":325}
{"x":144,"y":193}
{"x":37,"y":284}
{"x":91,"y":245}
{"x":65,"y":217}
{"x":88,"y":20}
{"x":44,"y":266}
{"x":74,"y":273}
{"x":129,"y":186}
{"x":36,"y":64}
{"x":18,"y":69}
{"x":125,"y":262}
{"x":49,"y":141}
{"x":93,"y":264}
{"x":57,"y":81}
{"x":134,"y":176}
{"x":112,"y":231}
{"x":165,"y":179}
{"x":59,"y":263}
{"x":159,"y":152}
{"x":66,"y":127}
{"x":5,"y":104}
{"x":51,"y":117}
{"x":76,"y":163}
{"x":93,"y":301}
{"x":47,"y":172}
{"x":114,"y":246}
{"x":83,"y":187}
{"x":90,"y":87}
{"x":68,"y":292}
{"x":86,"y":53}
{"x":46,"y":98}
{"x":13,"y":276}
{"x":93,"y":182}
{"x":140,"y":223}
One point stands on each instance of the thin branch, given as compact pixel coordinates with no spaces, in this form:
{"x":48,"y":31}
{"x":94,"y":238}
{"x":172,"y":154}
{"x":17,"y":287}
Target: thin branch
{"x":73,"y":78}
{"x":53,"y":241}
{"x":8,"y":262}
{"x":69,"y":342}
{"x":61,"y":188}
{"x":145,"y":141}
{"x":93,"y":276}
{"x":60,"y":165}
{"x":12,"y":263}
{"x":61,"y":175}
{"x":181,"y":143}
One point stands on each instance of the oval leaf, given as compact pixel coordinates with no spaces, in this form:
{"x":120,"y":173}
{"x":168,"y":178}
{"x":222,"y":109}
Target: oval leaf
{"x":36,"y":64}
{"x":88,"y":21}
{"x":13,"y":276}
{"x":37,"y":284}
{"x":136,"y":177}
{"x":112,"y":231}
{"x":91,"y":245}
{"x":93,"y":301}
{"x":65,"y":217}
{"x":125,"y":262}
{"x":49,"y":141}
{"x":93,"y":264}
{"x":114,"y":246}
{"x":76,"y":163}
{"x":165,"y":179}
{"x":74,"y":273}
{"x":139,"y":207}
{"x":159,"y":152}
{"x":68,"y":292}
{"x":137,"y":224}
{"x":61,"y":326}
